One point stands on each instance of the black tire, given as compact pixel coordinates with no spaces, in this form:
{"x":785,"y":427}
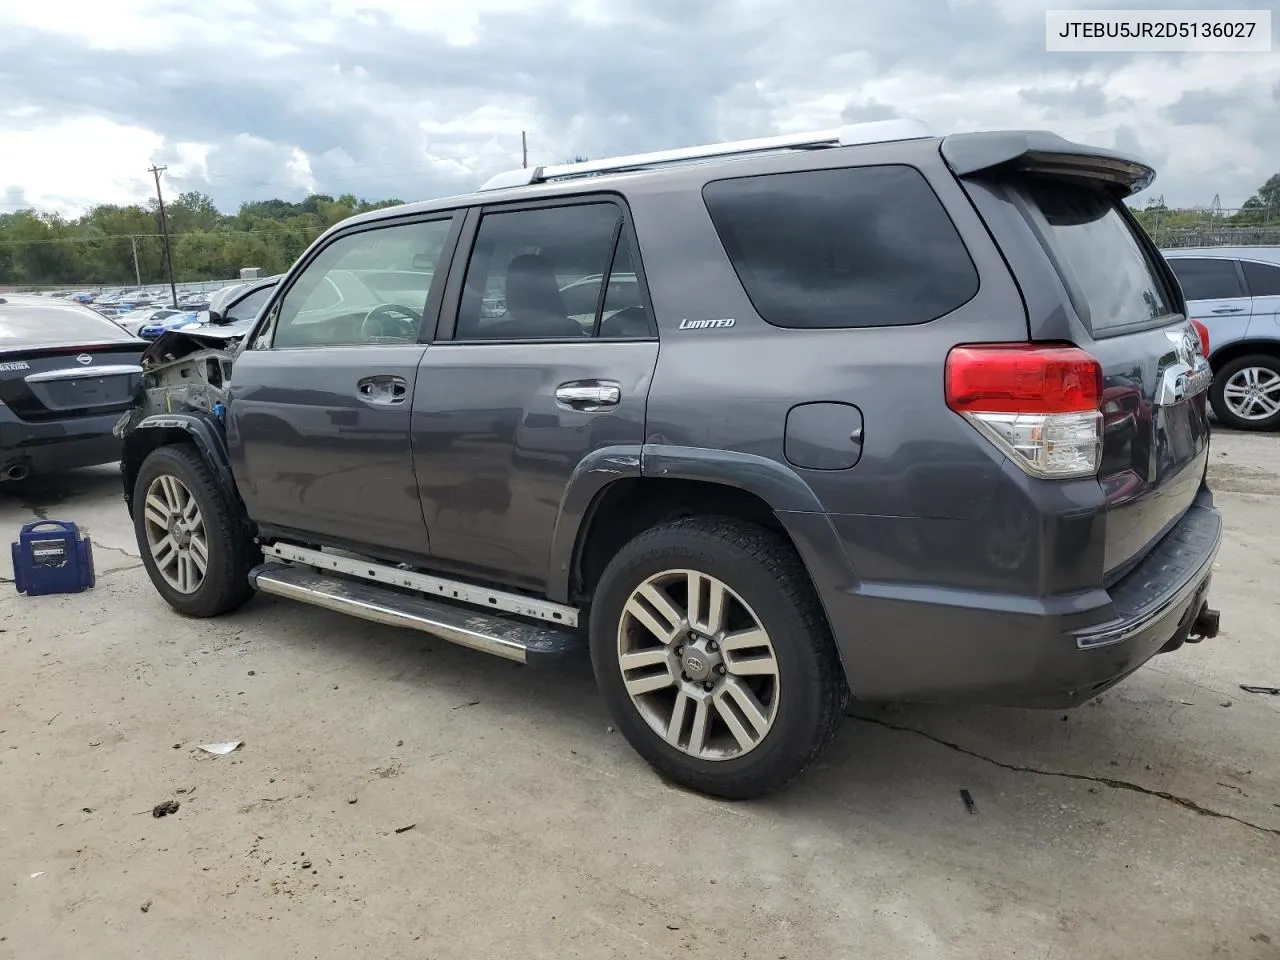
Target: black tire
{"x":1224,"y":413}
{"x":232,"y":552}
{"x":763,"y":567}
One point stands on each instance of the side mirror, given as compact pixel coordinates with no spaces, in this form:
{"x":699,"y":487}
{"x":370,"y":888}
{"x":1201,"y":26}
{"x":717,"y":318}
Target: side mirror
{"x":422,"y":261}
{"x":215,"y":316}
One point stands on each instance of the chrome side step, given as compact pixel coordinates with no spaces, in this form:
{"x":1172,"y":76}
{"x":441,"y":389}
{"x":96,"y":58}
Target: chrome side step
{"x":454,"y":590}
{"x":498,"y":635}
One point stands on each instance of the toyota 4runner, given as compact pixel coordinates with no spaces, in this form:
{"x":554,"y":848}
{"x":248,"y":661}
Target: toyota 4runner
{"x":763,"y":425}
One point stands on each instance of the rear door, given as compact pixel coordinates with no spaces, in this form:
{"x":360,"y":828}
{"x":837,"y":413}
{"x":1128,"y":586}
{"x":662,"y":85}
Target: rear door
{"x":318,"y":421}
{"x":61,"y":361}
{"x":1263,"y":281}
{"x":1131,"y":317}
{"x":1216,"y":296}
{"x":519,"y":390}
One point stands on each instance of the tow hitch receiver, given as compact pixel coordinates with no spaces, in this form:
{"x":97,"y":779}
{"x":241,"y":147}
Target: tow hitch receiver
{"x":1205,"y":625}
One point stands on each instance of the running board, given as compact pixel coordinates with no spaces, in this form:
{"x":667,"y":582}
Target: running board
{"x":453,"y":590}
{"x":501,"y":636}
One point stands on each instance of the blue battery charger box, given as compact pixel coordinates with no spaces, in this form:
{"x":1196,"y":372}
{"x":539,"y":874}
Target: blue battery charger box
{"x":50,"y":556}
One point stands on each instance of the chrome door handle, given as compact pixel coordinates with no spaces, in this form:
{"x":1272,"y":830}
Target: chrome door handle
{"x":586,"y":396}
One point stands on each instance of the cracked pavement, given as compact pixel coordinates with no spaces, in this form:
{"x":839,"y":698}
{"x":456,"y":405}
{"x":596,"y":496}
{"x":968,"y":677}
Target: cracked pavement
{"x":1143,"y":824}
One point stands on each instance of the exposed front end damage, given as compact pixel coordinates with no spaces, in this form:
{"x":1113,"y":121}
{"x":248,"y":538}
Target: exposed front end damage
{"x":182,"y":373}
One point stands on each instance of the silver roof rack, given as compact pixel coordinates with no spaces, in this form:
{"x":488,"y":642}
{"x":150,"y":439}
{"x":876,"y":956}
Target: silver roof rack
{"x":876,"y":131}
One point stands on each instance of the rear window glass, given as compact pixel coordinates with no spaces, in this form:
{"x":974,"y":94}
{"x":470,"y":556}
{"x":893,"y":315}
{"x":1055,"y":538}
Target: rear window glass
{"x":1203,"y":278}
{"x":852,"y":247}
{"x":38,"y":325}
{"x":1263,"y":278}
{"x":1101,"y":252}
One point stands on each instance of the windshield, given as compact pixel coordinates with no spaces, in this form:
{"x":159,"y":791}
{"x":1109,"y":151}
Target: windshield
{"x":1102,"y":254}
{"x":43,"y":325}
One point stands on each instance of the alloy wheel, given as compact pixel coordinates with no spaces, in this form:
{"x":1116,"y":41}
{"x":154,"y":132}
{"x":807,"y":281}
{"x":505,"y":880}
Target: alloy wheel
{"x":1253,"y":393}
{"x":175,"y":533}
{"x":698,"y":665}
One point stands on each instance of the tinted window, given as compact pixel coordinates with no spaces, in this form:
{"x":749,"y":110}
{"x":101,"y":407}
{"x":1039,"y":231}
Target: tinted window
{"x":625,"y":314}
{"x":537,"y":274}
{"x":1263,"y":279}
{"x":1207,"y":279}
{"x":344,"y":297}
{"x":856,"y":247}
{"x":23,"y":325}
{"x":248,"y":308}
{"x":1102,"y":253}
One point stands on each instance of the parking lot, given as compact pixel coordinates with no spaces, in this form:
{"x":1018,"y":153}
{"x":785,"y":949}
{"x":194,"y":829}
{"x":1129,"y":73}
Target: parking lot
{"x":399,"y":796}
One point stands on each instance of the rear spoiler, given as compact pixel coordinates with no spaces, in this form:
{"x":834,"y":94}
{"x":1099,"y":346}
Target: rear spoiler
{"x":1037,"y":151}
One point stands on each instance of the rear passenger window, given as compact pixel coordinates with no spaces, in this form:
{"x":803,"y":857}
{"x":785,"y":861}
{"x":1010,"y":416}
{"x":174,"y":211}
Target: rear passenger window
{"x":1207,"y":278}
{"x":854,"y":247}
{"x":1263,"y":279}
{"x":538,"y":274}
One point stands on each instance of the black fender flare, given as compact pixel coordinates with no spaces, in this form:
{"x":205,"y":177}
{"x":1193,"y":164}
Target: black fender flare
{"x":204,"y":430}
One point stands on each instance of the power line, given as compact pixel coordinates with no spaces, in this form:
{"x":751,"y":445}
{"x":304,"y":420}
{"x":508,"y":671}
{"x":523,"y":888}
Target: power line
{"x":164,"y":229}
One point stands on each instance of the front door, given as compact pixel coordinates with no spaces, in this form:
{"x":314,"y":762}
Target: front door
{"x":319,"y":418}
{"x":542,"y":361}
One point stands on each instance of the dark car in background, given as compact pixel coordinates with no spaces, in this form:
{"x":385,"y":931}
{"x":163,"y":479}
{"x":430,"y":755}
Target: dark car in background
{"x":66,"y":375}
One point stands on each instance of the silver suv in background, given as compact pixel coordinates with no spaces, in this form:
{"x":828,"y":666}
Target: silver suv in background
{"x":1235,"y":293}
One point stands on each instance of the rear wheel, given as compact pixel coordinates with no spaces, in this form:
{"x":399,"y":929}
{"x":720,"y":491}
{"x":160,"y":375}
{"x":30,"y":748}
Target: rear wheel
{"x":1246,"y":393}
{"x":714,"y":657}
{"x":194,"y":548}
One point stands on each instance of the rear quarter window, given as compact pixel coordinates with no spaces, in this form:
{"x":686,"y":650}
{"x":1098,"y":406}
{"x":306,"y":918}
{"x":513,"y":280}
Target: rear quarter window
{"x":850,"y":247}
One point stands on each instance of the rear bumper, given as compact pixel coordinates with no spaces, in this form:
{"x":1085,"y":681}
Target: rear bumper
{"x":56,"y":445}
{"x":912,"y":642}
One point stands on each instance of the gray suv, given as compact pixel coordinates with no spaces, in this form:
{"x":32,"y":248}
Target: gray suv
{"x":867,"y":413}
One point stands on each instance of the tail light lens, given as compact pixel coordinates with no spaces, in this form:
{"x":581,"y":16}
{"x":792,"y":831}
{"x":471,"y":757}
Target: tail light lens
{"x":1040,"y":405}
{"x":1203,"y":332}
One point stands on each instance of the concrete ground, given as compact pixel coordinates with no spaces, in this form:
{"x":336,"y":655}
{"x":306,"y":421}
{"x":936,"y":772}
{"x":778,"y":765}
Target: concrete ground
{"x":399,"y":797}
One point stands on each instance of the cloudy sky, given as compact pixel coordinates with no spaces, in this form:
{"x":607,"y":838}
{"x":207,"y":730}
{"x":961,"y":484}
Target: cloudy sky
{"x":251,"y":99}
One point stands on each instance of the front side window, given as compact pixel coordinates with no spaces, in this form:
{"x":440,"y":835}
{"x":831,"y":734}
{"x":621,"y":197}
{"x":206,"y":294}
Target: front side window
{"x":850,"y":247}
{"x":538,"y":274}
{"x":363,"y":288}
{"x":1207,"y":278}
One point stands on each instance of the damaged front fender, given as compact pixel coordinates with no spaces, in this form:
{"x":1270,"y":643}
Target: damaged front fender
{"x":182,"y":373}
{"x":181,"y":398}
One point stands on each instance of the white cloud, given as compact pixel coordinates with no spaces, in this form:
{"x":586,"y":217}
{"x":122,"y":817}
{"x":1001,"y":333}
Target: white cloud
{"x":70,"y":164}
{"x":248,"y":99}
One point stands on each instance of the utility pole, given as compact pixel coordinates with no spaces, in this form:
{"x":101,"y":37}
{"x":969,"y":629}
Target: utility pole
{"x":164,"y":229}
{"x":524,"y":150}
{"x":137,"y":271}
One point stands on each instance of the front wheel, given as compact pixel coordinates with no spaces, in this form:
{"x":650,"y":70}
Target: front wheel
{"x":714,"y":656}
{"x":192,"y":544}
{"x":1246,"y":393}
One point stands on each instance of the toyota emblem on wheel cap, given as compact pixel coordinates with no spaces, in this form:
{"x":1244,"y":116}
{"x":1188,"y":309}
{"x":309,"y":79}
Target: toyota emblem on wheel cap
{"x":84,"y":358}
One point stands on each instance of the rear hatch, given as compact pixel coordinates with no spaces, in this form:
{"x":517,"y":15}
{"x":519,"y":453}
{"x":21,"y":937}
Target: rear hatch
{"x":1155,"y":375}
{"x":1126,"y":310}
{"x":1057,"y":211}
{"x":64,"y":362}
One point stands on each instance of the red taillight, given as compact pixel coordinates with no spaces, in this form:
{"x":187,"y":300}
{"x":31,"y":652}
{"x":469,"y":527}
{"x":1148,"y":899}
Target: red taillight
{"x":1203,"y":332}
{"x":1022,"y":378}
{"x":1039,"y":405}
